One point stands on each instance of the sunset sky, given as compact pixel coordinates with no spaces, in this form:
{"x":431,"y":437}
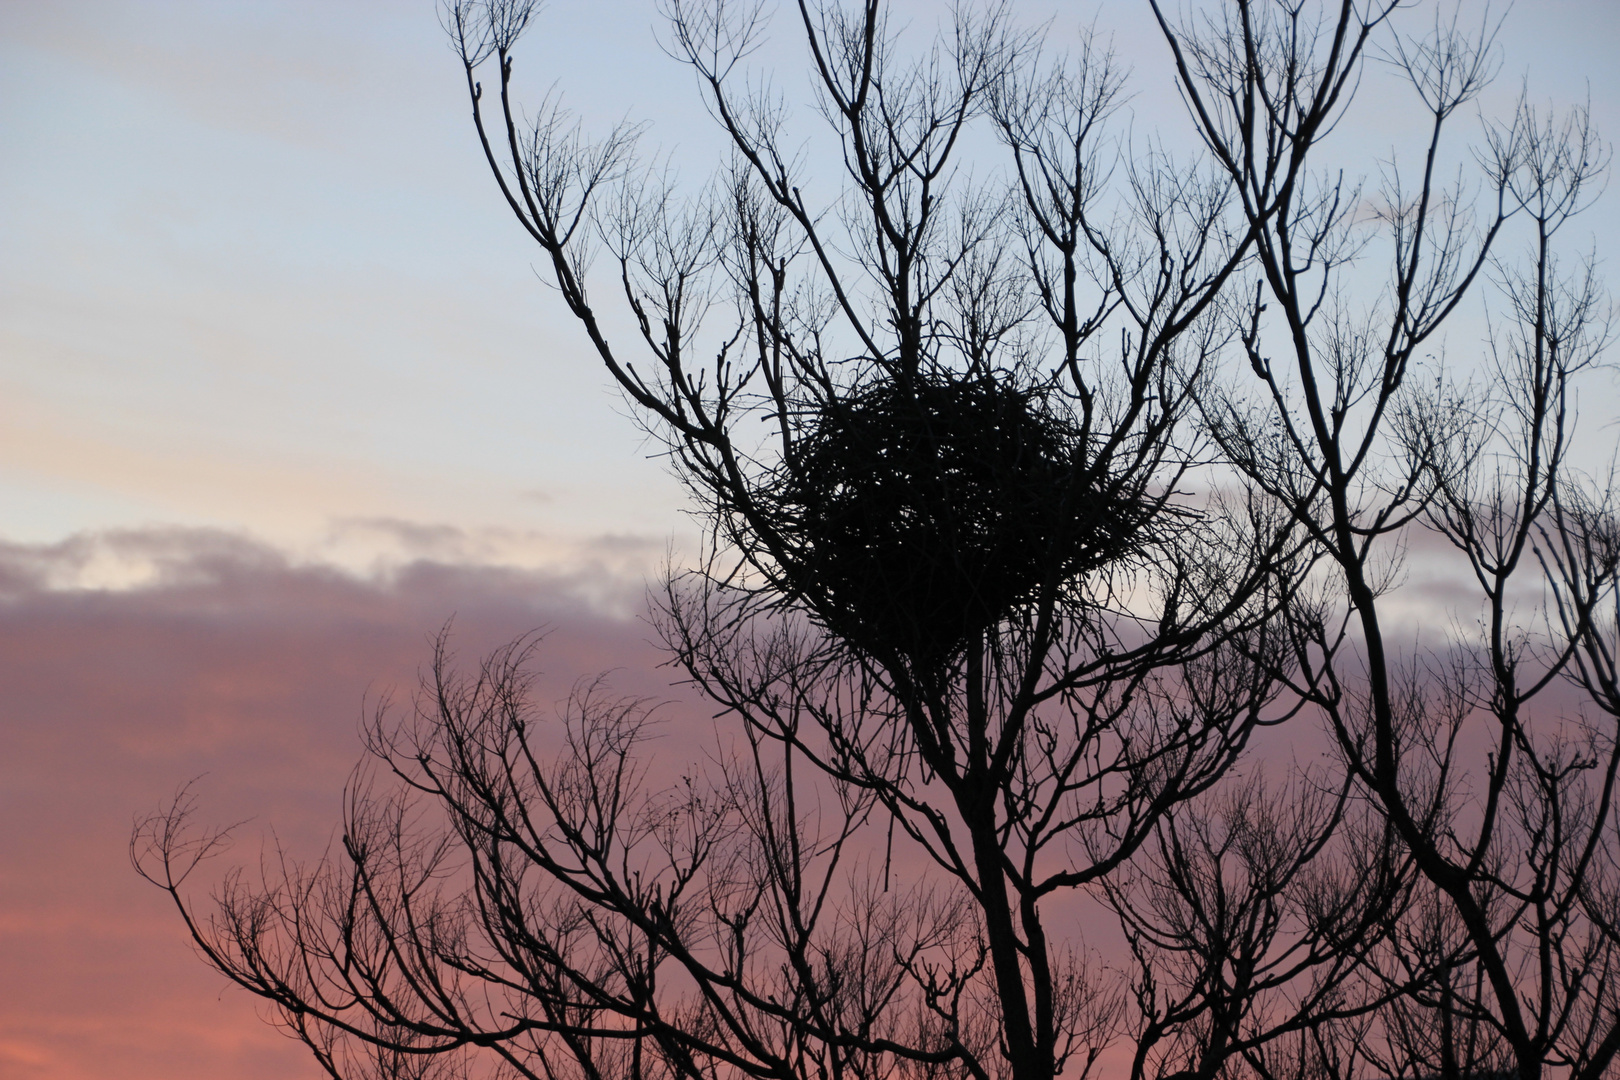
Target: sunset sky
{"x":280,"y":394}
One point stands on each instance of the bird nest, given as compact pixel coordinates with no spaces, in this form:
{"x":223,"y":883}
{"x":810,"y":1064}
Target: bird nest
{"x":912,"y":519}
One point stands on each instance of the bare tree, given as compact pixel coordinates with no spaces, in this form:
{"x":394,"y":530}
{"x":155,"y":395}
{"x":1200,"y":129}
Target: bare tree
{"x":1365,"y":443}
{"x":1004,"y":574}
{"x":568,"y":918}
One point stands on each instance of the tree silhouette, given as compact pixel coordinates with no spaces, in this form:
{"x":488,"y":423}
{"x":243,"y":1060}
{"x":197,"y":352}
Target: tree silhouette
{"x":1007,"y":566}
{"x":1359,"y":441}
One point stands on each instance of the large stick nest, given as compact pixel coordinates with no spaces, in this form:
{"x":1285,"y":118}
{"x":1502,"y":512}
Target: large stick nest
{"x":916,"y":517}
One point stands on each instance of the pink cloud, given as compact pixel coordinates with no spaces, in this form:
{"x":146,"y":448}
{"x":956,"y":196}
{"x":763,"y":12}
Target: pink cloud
{"x":236,"y":666}
{"x":231,"y":663}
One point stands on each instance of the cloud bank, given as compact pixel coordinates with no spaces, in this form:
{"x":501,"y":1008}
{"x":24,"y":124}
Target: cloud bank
{"x":216,"y":657}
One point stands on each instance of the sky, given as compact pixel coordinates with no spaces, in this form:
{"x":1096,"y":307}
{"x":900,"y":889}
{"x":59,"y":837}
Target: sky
{"x":280,"y":394}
